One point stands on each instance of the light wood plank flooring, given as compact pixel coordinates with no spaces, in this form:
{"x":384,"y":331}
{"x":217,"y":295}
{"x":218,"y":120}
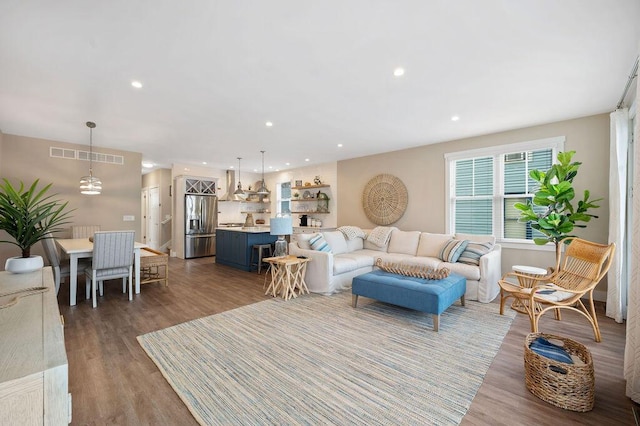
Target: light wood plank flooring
{"x":114,"y":382}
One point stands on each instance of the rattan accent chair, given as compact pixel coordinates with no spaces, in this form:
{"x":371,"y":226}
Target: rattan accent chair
{"x":583,"y":266}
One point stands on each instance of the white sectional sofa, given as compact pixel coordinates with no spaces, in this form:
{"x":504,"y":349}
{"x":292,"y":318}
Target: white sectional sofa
{"x":331,"y":272}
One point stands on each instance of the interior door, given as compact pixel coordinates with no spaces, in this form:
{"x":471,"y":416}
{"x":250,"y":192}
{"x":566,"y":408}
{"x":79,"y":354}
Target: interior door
{"x":143,"y":214}
{"x":153,"y":229}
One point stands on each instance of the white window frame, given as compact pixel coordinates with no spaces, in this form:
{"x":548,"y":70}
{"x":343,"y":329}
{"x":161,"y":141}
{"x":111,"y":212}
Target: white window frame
{"x":497,"y":152}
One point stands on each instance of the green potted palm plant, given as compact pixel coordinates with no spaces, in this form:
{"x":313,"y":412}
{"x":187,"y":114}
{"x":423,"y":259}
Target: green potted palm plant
{"x":28,"y":215}
{"x":552,"y":210}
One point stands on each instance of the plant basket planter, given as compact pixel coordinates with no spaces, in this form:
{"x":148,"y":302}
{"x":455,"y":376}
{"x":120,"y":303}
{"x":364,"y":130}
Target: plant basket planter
{"x":568,"y":386}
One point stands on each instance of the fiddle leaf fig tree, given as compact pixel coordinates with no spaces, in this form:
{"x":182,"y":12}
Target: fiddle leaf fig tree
{"x":29,"y":214}
{"x":553,"y":210}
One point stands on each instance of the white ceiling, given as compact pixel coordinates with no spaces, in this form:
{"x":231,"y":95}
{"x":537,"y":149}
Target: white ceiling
{"x":322,"y":71}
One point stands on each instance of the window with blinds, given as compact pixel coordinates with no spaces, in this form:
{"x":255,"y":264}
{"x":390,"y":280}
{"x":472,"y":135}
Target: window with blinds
{"x":485,"y":184}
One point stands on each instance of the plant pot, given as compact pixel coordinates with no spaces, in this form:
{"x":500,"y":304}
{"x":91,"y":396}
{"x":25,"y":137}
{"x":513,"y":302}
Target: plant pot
{"x":22,"y":265}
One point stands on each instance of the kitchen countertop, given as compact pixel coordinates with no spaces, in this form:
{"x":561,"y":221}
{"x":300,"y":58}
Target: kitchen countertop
{"x":250,"y":230}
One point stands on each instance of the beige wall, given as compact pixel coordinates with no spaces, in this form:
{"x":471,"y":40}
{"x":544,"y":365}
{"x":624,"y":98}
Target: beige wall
{"x":26,"y":159}
{"x":161,"y":178}
{"x":422,"y":170}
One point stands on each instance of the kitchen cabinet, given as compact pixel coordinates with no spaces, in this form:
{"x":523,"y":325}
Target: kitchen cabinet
{"x":234,"y":245}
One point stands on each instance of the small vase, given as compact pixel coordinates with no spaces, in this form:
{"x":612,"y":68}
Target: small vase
{"x":22,"y":265}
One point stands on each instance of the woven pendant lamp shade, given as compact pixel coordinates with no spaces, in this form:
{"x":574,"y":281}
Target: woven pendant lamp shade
{"x":385,"y":199}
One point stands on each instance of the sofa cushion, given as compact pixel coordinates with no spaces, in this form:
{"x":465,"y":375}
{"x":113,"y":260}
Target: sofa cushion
{"x":355,"y":244}
{"x":303,"y":241}
{"x":431,"y":244}
{"x":404,"y":242}
{"x":318,"y":243}
{"x":342,"y":264}
{"x":370,"y":246}
{"x":336,"y":241}
{"x":470,"y":272}
{"x":474,"y":251}
{"x":360,"y":258}
{"x":452,"y":250}
{"x":429,"y":262}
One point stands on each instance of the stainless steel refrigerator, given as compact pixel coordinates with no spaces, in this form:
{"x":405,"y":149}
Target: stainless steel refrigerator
{"x":201,"y":221}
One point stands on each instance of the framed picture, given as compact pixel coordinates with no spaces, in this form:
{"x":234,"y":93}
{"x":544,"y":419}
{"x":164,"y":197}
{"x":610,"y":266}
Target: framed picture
{"x":298,"y":183}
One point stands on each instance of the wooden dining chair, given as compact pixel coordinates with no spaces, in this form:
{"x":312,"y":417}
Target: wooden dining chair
{"x":84,"y":231}
{"x":61,"y":267}
{"x":112,"y":258}
{"x":584,"y":265}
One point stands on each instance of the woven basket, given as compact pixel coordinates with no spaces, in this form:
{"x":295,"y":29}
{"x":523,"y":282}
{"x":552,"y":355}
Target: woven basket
{"x":567,"y":386}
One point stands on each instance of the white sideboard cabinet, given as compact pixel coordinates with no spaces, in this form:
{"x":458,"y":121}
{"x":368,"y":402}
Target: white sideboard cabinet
{"x":34,"y":372}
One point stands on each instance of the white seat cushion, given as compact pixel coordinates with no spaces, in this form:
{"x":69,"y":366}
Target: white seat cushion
{"x":470,"y":272}
{"x":342,"y":264}
{"x":361,"y":260}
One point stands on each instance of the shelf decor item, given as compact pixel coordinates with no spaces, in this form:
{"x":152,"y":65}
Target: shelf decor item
{"x":384,"y":199}
{"x":281,"y":226}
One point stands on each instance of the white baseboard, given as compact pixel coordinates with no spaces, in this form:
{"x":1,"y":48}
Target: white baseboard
{"x":166,"y":246}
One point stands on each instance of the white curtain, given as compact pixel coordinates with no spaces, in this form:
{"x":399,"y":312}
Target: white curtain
{"x":632,"y":347}
{"x":617,"y":279}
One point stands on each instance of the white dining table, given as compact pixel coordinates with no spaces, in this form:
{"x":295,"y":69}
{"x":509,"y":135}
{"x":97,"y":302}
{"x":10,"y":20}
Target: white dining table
{"x":78,"y":248}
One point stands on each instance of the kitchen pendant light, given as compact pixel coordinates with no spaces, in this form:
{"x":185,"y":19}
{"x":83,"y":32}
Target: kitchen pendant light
{"x":90,"y":185}
{"x":263,"y":188}
{"x":239,"y":191}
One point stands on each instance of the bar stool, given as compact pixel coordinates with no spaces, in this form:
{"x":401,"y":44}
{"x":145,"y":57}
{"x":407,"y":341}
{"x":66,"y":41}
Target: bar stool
{"x":260,"y":250}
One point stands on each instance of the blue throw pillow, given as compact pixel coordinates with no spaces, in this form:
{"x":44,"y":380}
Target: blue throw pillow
{"x":545,"y":348}
{"x":318,"y":243}
{"x":452,"y":250}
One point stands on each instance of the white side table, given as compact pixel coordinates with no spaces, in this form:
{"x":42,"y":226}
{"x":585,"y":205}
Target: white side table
{"x":526,"y":282}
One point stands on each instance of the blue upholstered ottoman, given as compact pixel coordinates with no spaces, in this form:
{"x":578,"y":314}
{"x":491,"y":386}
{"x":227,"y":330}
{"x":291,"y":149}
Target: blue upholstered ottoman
{"x":430,"y":296}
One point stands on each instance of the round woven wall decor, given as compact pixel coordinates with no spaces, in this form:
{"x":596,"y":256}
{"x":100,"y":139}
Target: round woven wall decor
{"x":384,"y":199}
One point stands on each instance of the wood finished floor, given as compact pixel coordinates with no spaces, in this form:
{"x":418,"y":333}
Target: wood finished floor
{"x":112,"y":380}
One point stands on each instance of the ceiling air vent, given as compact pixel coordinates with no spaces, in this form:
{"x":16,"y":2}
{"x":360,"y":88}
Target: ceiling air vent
{"x":56,"y":152}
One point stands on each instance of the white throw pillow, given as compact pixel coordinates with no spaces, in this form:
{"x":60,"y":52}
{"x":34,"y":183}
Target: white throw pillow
{"x":431,"y":244}
{"x":303,"y":241}
{"x":336,"y":241}
{"x":404,"y":242}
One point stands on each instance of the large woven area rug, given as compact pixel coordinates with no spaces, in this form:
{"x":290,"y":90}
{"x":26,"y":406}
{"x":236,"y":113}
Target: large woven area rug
{"x":316,"y":360}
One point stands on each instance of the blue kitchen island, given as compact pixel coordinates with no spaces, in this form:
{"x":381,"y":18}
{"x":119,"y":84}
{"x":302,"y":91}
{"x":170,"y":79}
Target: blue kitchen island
{"x":234,"y":245}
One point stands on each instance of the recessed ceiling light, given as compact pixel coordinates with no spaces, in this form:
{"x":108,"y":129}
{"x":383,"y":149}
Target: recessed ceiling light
{"x":455,"y":118}
{"x":306,"y":159}
{"x":268,"y":124}
{"x":186,"y":169}
{"x":136,"y":84}
{"x":339,"y":145}
{"x":147,"y":165}
{"x":204,"y":162}
{"x":398,"y":72}
{"x":277,"y":170}
{"x":231,"y":167}
{"x":287,"y":164}
{"x":255,"y":170}
{"x":271,"y":167}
